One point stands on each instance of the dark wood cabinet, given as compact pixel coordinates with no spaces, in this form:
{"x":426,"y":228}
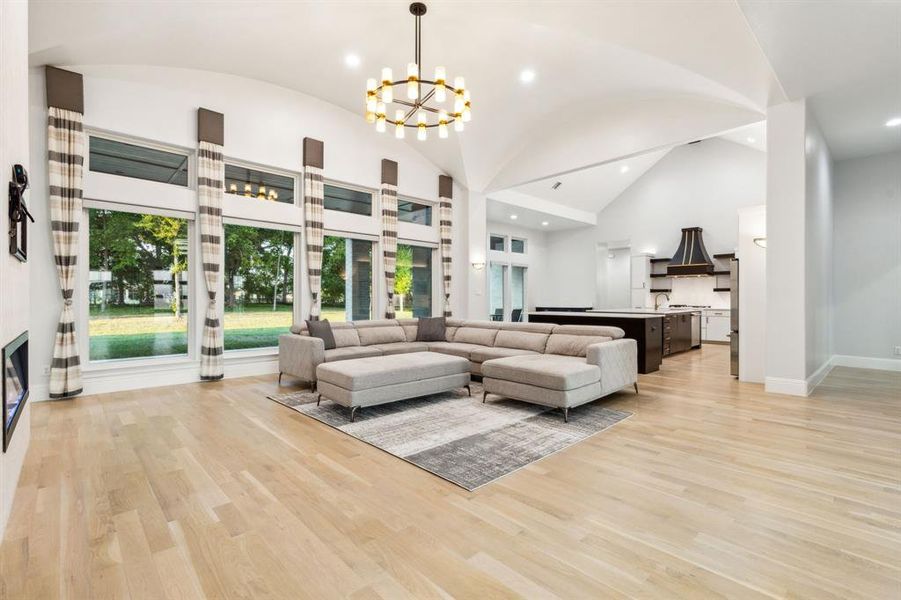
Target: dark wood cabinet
{"x":676,"y":333}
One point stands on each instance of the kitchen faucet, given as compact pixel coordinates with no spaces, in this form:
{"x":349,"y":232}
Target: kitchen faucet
{"x":657,"y":298}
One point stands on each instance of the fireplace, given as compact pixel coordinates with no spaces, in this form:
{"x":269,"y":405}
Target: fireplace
{"x":15,"y":384}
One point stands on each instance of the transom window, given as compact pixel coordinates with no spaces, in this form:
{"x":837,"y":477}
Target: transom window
{"x":497,"y":243}
{"x":139,"y":162}
{"x":347,"y":200}
{"x":414,"y":212}
{"x":251,"y":183}
{"x":517,"y":246}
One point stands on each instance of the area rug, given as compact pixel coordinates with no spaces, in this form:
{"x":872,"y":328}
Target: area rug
{"x":456,"y":437}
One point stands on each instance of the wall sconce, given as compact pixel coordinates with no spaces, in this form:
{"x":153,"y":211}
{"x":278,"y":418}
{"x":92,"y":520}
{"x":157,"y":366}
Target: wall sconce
{"x":478,"y":266}
{"x":760,"y":241}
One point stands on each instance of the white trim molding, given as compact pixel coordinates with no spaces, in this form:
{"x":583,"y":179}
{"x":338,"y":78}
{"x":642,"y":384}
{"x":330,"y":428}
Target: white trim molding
{"x":798,"y":387}
{"x":866,"y":362}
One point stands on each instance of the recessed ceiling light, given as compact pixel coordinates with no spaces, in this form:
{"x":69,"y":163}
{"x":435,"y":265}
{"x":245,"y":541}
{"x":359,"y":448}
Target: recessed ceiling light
{"x":893,"y":122}
{"x":751,"y":140}
{"x":544,"y":223}
{"x":352,"y":61}
{"x":624,"y":169}
{"x":527,"y":76}
{"x":514,"y":217}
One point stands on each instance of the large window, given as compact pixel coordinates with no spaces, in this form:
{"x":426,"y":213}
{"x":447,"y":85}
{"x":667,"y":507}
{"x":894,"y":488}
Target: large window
{"x":251,"y":183}
{"x":346,"y":279}
{"x":259,"y":286}
{"x":138,"y":294}
{"x":347,"y":200}
{"x":517,"y":293}
{"x":413,"y":282}
{"x":497,"y":278}
{"x":413,"y":212}
{"x":140,"y":162}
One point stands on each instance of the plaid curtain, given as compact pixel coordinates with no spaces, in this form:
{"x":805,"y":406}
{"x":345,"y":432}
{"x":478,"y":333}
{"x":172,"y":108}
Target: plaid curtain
{"x":389,"y":241}
{"x":313,"y":198}
{"x":445,"y":214}
{"x":65,"y":142}
{"x":210,"y":185}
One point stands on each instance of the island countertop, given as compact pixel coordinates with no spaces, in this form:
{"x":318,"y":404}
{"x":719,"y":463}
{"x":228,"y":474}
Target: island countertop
{"x":595,"y":314}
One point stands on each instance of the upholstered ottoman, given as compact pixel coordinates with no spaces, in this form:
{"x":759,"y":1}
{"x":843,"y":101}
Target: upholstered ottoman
{"x":381,"y":379}
{"x":547,"y":379}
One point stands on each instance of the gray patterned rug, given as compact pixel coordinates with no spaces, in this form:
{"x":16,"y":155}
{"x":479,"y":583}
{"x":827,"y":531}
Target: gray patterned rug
{"x":458,"y":438}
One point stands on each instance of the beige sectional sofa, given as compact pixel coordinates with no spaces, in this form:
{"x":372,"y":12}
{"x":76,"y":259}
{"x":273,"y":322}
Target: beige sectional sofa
{"x":476,"y":341}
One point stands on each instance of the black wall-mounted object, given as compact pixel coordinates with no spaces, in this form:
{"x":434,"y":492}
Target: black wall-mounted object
{"x":18,"y":214}
{"x":691,"y":258}
{"x":14,"y":386}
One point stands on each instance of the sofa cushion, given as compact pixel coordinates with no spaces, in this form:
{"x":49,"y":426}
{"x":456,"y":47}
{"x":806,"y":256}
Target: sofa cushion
{"x":524,"y":340}
{"x":401,"y":347}
{"x":449,"y":333}
{"x":381,"y":334}
{"x":572,"y":345}
{"x":481,"y":355}
{"x":547,"y":371}
{"x":455,"y":348}
{"x":323,"y":331}
{"x":350,"y":352}
{"x":432,"y":330}
{"x":345,"y":336}
{"x":475,"y":335}
{"x":532,"y":327}
{"x":410,"y":327}
{"x":595,"y":330}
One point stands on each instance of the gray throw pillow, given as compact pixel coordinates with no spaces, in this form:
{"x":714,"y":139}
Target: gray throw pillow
{"x":431,"y":329}
{"x":323,"y":331}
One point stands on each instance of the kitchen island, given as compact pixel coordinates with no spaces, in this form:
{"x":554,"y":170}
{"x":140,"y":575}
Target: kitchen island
{"x":646,"y":326}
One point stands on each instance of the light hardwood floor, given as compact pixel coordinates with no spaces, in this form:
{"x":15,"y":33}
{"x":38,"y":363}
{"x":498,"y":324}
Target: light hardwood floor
{"x":712,"y":488}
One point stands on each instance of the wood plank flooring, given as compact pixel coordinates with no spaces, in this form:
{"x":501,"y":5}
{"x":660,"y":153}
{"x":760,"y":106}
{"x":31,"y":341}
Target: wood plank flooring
{"x":712,"y":489}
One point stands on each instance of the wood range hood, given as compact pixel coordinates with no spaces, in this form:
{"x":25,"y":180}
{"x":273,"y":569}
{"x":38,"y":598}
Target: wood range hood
{"x":691,"y":259}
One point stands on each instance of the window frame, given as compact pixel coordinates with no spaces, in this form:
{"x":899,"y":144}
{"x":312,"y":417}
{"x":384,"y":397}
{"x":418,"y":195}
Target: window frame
{"x":437,"y":290}
{"x":378,"y":266}
{"x":296,"y":310}
{"x":83,"y":285}
{"x":133,"y":140}
{"x":432,"y":205}
{"x":374,"y":206}
{"x":296,"y":176}
{"x":525,"y":245}
{"x":505,"y":239}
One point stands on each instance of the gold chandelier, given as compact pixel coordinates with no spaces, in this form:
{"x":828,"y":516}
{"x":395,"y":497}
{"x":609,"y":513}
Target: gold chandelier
{"x":422,"y":108}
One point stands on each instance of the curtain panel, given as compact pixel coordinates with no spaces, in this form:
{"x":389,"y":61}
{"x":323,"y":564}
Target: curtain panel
{"x":389,"y":241}
{"x":210,"y":187}
{"x":65,"y":142}
{"x":313,"y":201}
{"x":446,"y":215}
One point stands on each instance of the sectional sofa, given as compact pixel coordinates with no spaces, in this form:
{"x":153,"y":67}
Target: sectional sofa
{"x":555,"y":365}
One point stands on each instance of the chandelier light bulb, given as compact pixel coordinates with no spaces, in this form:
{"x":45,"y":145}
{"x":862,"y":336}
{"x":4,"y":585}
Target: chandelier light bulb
{"x":458,"y":102}
{"x":412,"y":81}
{"x":442,"y":124}
{"x":459,"y":84}
{"x":371,"y":103}
{"x":387,"y":90}
{"x":421,"y":131}
{"x":371,"y":85}
{"x":440,"y":84}
{"x":380,"y":122}
{"x":458,"y":124}
{"x":399,"y":124}
{"x":370,"y":116}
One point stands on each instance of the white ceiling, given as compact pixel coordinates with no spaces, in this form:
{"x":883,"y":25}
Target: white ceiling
{"x":845,"y":56}
{"x":626,"y":76}
{"x":594,"y":188}
{"x":500,"y":212}
{"x":752,"y":136}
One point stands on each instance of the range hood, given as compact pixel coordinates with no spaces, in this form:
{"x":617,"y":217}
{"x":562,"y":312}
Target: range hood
{"x":691,"y":259}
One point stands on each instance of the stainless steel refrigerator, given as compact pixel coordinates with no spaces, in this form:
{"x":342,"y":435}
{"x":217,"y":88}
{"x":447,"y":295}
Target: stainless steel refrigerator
{"x":733,"y":317}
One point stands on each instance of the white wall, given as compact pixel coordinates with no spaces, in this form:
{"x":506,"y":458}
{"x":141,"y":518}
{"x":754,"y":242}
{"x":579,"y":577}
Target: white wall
{"x":752,"y":295}
{"x":818,"y":251}
{"x":867,"y":261}
{"x":14,"y":275}
{"x":536,"y":248}
{"x":700,"y":185}
{"x":786,"y":367}
{"x":264,"y":124}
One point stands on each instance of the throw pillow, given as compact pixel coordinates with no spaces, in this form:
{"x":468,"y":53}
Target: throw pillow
{"x":323,"y":331}
{"x":431,"y":329}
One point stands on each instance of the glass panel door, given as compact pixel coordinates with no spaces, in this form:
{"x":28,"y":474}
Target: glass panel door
{"x":517,"y":293}
{"x":497,"y":280}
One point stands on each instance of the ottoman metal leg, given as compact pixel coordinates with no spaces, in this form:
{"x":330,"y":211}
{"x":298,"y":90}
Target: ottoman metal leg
{"x":279,"y":377}
{"x":318,"y":399}
{"x":353,"y":413}
{"x":566,"y":415}
{"x":484,"y":396}
{"x":636,"y":387}
{"x":468,"y":390}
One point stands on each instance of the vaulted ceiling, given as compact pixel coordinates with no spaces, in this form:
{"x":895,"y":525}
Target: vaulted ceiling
{"x":613,"y":79}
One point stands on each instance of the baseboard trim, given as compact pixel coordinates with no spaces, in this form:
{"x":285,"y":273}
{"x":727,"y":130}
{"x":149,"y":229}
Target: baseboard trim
{"x":867,"y":362}
{"x":817,"y":377}
{"x":125,"y":378}
{"x":782,"y":385}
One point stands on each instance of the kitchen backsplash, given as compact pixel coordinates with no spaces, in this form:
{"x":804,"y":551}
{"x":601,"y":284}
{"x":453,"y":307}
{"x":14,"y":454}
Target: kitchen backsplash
{"x":698,"y":291}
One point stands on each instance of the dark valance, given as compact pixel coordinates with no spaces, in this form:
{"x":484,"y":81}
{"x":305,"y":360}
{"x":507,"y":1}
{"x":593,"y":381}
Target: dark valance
{"x":389,"y":171}
{"x":210,"y":126}
{"x":313,"y":151}
{"x":65,"y":89}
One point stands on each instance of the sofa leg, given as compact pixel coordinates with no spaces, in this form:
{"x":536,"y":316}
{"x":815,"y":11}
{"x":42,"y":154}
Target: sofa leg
{"x":636,"y":387}
{"x":353,"y":413}
{"x":279,"y":378}
{"x":312,"y":386}
{"x":318,"y":399}
{"x":484,"y":396}
{"x":468,"y":390}
{"x":565,"y":415}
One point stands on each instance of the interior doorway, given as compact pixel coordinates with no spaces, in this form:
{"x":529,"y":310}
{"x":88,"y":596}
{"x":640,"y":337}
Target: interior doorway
{"x":614,"y":275}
